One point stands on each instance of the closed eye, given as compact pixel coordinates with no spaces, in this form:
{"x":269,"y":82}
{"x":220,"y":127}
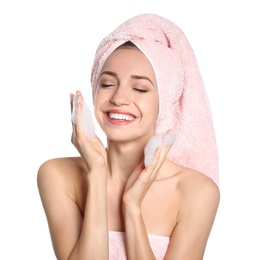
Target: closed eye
{"x":106,"y":85}
{"x":140,"y":90}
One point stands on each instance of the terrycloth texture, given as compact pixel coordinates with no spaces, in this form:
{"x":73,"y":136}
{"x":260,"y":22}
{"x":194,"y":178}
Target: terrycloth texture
{"x":117,"y":248}
{"x":184,"y":106}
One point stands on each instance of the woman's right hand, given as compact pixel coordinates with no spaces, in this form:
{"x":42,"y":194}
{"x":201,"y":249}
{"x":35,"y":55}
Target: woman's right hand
{"x":92,"y":151}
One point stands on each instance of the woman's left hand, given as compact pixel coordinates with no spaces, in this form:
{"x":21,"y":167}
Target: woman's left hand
{"x":142,"y":178}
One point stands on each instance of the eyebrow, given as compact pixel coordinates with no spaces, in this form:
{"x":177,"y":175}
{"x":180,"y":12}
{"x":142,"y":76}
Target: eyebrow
{"x":132,"y":76}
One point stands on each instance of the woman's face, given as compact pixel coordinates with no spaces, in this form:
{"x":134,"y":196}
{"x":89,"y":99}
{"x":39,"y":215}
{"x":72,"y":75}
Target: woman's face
{"x":126,"y":104}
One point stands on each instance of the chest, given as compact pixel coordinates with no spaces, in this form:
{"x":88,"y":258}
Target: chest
{"x":159,"y":208}
{"x":159,"y":211}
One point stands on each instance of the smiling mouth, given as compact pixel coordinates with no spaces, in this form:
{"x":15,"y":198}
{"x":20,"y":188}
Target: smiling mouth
{"x":119,"y":116}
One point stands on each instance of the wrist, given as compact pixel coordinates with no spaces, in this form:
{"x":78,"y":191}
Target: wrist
{"x":97,"y":176}
{"x":131,"y":209}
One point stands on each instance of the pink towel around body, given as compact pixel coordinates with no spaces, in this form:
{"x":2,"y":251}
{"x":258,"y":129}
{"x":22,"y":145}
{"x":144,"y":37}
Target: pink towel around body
{"x":184,"y":105}
{"x":117,"y":246}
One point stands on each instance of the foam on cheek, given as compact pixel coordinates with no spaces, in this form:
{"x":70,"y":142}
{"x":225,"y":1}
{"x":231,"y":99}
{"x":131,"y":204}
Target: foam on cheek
{"x":86,"y":122}
{"x":154,"y":142}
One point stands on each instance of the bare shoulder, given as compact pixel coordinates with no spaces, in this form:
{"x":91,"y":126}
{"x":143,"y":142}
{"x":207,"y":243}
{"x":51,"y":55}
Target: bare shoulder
{"x":198,"y":200}
{"x":58,"y":167}
{"x":193,"y":188}
{"x":196,"y":183}
{"x":64,"y":173}
{"x":190,"y":182}
{"x":196,"y":187}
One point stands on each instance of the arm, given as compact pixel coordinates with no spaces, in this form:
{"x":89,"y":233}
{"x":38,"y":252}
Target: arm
{"x":75,"y":236}
{"x":137,"y":242}
{"x":93,"y":240}
{"x":141,"y":179}
{"x":195,"y":220}
{"x":59,"y":202}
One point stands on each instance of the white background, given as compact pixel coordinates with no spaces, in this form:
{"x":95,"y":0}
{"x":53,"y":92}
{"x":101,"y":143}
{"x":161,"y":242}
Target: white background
{"x":46,"y":52}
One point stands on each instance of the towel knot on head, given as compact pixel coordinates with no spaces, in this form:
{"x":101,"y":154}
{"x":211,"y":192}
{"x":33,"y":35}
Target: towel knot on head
{"x":148,"y":28}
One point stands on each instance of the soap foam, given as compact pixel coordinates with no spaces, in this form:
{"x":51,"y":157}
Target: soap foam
{"x":157,"y":140}
{"x":86,"y":122}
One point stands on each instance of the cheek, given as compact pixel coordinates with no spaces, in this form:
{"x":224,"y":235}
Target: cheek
{"x":156,"y":111}
{"x":154,"y":105}
{"x":99,"y":99}
{"x":97,"y":105}
{"x":150,"y":107}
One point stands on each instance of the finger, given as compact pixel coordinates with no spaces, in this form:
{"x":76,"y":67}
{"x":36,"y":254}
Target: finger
{"x":159,"y":158}
{"x":134,"y":175}
{"x":74,"y":108}
{"x":169,"y":138}
{"x":79,"y":108}
{"x":158,"y":140}
{"x":71,"y":102}
{"x":75,"y":101}
{"x":82,"y":116}
{"x":155,"y":161}
{"x":149,"y":152}
{"x":77,"y":114}
{"x":72,"y":123}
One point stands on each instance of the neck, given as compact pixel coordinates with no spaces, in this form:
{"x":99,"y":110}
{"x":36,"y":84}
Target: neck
{"x":124,"y":157}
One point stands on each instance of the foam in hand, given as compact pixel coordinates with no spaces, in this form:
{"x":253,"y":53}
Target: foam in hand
{"x":86,"y":122}
{"x":157,"y":140}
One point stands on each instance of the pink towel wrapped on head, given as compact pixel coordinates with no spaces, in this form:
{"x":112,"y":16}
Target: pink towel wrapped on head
{"x":184,"y":106}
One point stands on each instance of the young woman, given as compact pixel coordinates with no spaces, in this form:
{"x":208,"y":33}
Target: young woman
{"x":113,"y":202}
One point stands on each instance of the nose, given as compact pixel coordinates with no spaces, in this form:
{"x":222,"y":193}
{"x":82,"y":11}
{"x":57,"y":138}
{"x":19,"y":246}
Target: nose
{"x":120,"y":97}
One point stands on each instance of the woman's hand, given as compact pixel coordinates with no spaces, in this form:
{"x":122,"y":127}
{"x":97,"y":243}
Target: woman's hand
{"x":142,"y":178}
{"x":91,"y":149}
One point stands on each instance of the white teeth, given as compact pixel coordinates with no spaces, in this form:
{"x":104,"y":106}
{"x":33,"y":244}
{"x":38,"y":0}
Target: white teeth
{"x":120,"y":116}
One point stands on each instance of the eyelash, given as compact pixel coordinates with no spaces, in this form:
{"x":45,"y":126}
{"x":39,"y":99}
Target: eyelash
{"x":137,"y":89}
{"x":105,"y":85}
{"x":140,"y":90}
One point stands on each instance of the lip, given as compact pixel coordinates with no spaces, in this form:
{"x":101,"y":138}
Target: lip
{"x":119,"y":122}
